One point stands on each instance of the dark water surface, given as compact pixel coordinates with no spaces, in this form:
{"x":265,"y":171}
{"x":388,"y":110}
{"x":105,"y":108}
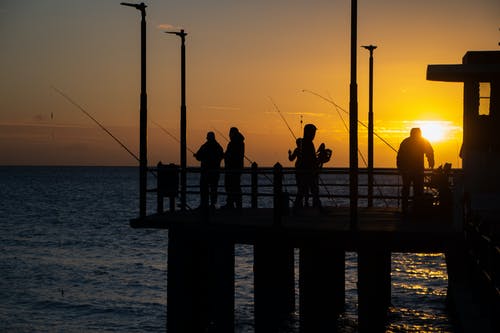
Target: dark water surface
{"x":71,"y":263}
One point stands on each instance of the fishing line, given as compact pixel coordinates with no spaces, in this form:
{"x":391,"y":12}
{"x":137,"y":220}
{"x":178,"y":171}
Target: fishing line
{"x":345,"y":111}
{"x":359,"y":151}
{"x":248,"y":159}
{"x":69,"y":99}
{"x":227,"y":140}
{"x":286,"y":122}
{"x":171,"y":135}
{"x":295,"y":138}
{"x":337,"y":108}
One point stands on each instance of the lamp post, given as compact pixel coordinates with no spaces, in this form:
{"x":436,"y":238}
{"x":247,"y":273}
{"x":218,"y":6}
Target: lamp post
{"x":183,"y":140}
{"x":143,"y":117}
{"x":353,"y":123}
{"x":370,"y":127}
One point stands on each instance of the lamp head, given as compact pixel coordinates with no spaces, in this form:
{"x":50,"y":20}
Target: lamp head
{"x":369,"y":47}
{"x":180,"y":33}
{"x":140,"y":6}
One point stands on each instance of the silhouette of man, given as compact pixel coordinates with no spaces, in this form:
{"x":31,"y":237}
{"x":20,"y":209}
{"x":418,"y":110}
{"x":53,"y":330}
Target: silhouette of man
{"x":309,"y":167}
{"x":302,"y":190}
{"x":210,"y":155}
{"x":233,"y":163}
{"x":410,"y":163}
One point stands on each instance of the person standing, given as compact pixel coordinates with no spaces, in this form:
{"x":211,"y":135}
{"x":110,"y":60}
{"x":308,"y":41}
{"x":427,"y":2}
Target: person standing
{"x":210,"y":155}
{"x":410,"y":163}
{"x":309,"y":166}
{"x":233,"y":164}
{"x":302,"y":191}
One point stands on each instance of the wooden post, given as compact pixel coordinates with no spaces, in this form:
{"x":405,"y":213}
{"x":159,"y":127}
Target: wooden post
{"x":322,"y":287}
{"x":255,"y":185}
{"x":374,"y":289}
{"x":274,"y":282}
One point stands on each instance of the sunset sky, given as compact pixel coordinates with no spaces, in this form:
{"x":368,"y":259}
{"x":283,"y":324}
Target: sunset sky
{"x":241,"y":56}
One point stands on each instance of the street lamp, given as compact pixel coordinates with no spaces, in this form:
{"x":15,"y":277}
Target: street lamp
{"x":370,"y":127}
{"x":353,"y":123}
{"x":143,"y":117}
{"x":182,"y":35}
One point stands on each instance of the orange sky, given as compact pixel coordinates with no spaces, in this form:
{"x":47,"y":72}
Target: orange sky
{"x":239,"y":55}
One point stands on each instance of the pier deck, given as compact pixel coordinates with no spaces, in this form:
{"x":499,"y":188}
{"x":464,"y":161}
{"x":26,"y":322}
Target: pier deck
{"x":384,"y":226}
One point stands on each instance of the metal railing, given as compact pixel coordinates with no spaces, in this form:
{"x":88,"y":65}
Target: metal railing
{"x":260,"y":184}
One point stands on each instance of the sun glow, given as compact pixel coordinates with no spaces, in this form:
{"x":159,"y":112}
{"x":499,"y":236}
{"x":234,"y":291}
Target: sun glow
{"x":434,"y":130}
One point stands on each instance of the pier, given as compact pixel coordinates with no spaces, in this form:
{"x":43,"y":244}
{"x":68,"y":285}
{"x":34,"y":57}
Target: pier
{"x":201,"y":251}
{"x":457,"y":216}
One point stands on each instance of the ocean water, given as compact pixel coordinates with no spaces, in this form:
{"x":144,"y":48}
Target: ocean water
{"x":70,"y":262}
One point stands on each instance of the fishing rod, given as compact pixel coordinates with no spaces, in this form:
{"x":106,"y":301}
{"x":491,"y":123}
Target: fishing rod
{"x":227,"y":140}
{"x":281,"y":115}
{"x":245,"y":156}
{"x":171,"y":135}
{"x":361,"y":154}
{"x":345,"y":111}
{"x":347,"y":129}
{"x":337,"y":107}
{"x":293,"y":134}
{"x":69,"y":99}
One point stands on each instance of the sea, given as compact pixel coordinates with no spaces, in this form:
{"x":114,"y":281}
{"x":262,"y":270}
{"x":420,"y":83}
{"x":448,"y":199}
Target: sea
{"x":70,"y":262}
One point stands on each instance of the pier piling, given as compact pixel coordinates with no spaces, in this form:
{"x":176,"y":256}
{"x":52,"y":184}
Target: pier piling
{"x":374,"y":288}
{"x":274,"y":282}
{"x":322,"y":287}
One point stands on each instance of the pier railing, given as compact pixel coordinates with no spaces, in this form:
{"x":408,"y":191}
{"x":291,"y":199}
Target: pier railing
{"x":261,"y":185}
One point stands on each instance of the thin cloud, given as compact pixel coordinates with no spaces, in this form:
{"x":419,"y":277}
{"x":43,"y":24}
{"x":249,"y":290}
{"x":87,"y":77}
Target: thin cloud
{"x":222,"y":108}
{"x":307,"y":114}
{"x":166,"y":26}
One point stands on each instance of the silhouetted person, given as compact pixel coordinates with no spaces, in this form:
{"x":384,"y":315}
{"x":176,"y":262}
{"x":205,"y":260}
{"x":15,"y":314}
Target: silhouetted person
{"x":302,"y":190}
{"x":233,"y":163}
{"x":210,"y":155}
{"x":308,"y":167}
{"x":410,"y":163}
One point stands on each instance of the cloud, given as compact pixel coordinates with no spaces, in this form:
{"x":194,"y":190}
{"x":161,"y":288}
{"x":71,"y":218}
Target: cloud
{"x":166,"y":26}
{"x":222,"y":108}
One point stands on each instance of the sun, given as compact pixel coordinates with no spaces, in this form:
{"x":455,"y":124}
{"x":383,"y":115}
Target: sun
{"x":434,"y":130}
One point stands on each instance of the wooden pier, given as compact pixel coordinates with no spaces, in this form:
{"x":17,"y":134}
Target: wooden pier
{"x":201,"y":258}
{"x":462,"y":221}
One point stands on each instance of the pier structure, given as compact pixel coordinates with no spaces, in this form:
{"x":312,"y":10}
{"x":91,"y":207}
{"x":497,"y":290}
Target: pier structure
{"x":201,"y":256}
{"x":478,"y":273}
{"x":458,"y":217}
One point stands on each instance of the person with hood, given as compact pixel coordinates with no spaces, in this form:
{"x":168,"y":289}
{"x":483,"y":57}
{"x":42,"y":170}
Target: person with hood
{"x":210,"y":155}
{"x":308,"y":168}
{"x":410,"y":163}
{"x":233,"y":163}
